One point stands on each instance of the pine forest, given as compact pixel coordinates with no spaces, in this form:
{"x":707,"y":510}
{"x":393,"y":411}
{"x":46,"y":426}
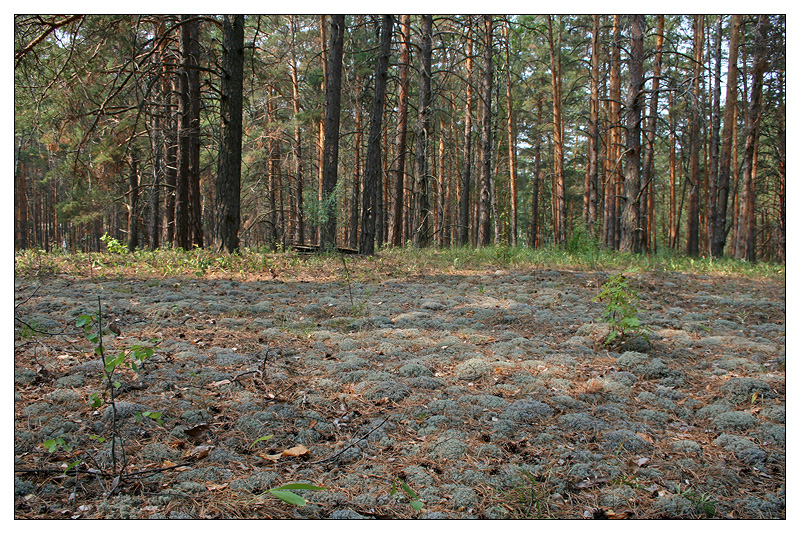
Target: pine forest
{"x":636,"y":133}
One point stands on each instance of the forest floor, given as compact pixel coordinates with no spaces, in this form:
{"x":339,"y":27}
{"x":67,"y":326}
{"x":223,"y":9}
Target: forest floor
{"x":487,"y":390}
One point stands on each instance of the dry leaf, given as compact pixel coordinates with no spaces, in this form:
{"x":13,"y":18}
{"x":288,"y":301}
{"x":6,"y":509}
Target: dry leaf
{"x":297,"y":450}
{"x":199,"y":452}
{"x":591,"y":482}
{"x":196,"y":431}
{"x":214,"y":487}
{"x":624,"y":514}
{"x":273,"y":457}
{"x":218,"y":384}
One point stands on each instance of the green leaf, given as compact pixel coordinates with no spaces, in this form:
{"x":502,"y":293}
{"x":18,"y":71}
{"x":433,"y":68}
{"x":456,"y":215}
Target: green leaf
{"x":288,"y":497}
{"x":410,"y":492}
{"x":299,"y":486}
{"x":83,"y":320}
{"x":417,"y":505}
{"x":262,"y":438}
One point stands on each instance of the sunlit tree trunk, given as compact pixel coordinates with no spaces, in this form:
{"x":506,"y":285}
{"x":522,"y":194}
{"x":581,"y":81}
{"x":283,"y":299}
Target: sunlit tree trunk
{"x":399,"y":170}
{"x":559,"y":192}
{"x":512,"y":138}
{"x":630,"y":232}
{"x":747,"y":221}
{"x":466,"y":170}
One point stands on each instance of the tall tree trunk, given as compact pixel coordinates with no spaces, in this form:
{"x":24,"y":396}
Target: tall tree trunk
{"x":182,"y":231}
{"x":374,"y":166}
{"x":330,"y":156}
{"x":189,"y":36}
{"x":170,"y":157}
{"x":713,"y":163}
{"x":486,"y":135}
{"x":630,"y":232}
{"x":396,"y":212}
{"x":133,"y":206}
{"x":466,"y":172}
{"x":747,"y":222}
{"x":590,"y":194}
{"x":560,"y":205}
{"x":297,"y":216}
{"x":229,"y":170}
{"x":614,"y":141}
{"x":693,"y":224}
{"x":720,"y":230}
{"x":512,"y":139}
{"x":647,"y":209}
{"x":421,"y":235}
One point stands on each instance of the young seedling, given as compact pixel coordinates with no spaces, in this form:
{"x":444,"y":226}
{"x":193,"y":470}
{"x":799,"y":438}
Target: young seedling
{"x":620,"y":312}
{"x":415,"y":503}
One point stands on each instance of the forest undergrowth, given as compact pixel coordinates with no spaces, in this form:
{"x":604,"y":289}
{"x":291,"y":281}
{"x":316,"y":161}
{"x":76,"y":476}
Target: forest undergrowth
{"x":433,"y":383}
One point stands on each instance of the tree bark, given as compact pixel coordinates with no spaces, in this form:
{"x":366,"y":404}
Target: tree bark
{"x":693,"y":222}
{"x":466,"y":172}
{"x":421,"y":236}
{"x":512,"y":139}
{"x":299,"y":223}
{"x":720,"y":230}
{"x":630,"y":232}
{"x":486,"y":136}
{"x":374,"y":166}
{"x":398,"y":191}
{"x":330,"y":151}
{"x":133,"y":206}
{"x":230,"y":153}
{"x":190,"y":39}
{"x":560,"y":205}
{"x":713,"y":163}
{"x":590,"y":193}
{"x":647,"y":209}
{"x":747,"y":222}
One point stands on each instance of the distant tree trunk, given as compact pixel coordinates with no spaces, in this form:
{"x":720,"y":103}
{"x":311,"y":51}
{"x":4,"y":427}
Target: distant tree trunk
{"x":230,"y":153}
{"x":421,"y":236}
{"x":720,"y":230}
{"x":170,"y":157}
{"x":133,"y":206}
{"x":21,"y":200}
{"x":747,"y":221}
{"x":355,"y":193}
{"x":693,"y":229}
{"x":512,"y":140}
{"x":560,"y":205}
{"x":374,"y":166}
{"x":486,"y":136}
{"x":299,"y":224}
{"x":330,"y":156}
{"x":648,"y":205}
{"x":537,"y":164}
{"x":630,"y":233}
{"x":590,"y":194}
{"x":399,"y":171}
{"x":466,"y":173}
{"x":673,"y":219}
